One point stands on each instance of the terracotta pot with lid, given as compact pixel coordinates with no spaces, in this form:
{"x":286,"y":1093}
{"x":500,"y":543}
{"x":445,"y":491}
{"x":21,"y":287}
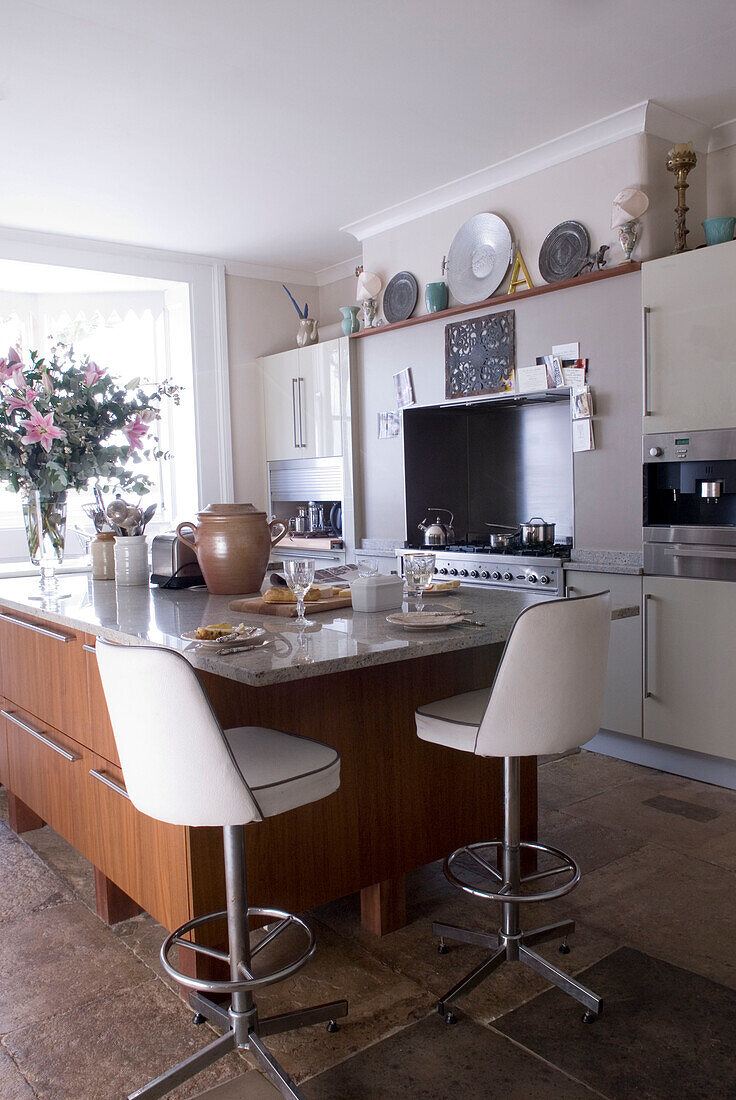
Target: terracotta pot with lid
{"x":233,"y":543}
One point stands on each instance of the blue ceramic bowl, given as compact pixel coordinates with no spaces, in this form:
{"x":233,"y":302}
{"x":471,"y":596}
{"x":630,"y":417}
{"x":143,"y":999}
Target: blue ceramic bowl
{"x":718,"y":230}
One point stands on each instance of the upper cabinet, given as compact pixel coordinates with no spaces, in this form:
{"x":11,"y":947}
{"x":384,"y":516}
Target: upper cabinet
{"x":303,"y":402}
{"x":690,"y":340}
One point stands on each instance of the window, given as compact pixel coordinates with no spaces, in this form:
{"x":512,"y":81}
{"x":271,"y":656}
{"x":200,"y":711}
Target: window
{"x":133,"y":325}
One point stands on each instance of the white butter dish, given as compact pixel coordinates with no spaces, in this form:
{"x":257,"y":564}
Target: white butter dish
{"x":379,"y":593}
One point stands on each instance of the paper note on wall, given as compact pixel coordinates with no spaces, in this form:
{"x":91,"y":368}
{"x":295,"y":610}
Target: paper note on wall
{"x":582,"y":435}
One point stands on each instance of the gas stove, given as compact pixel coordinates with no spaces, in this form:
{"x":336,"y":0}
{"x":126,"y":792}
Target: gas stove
{"x":517,"y":567}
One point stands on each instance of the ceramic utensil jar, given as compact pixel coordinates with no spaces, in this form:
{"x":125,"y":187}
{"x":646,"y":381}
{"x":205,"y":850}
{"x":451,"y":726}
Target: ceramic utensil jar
{"x":232,"y":543}
{"x":131,"y":559}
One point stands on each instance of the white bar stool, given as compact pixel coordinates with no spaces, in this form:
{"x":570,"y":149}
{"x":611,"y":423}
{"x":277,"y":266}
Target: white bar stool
{"x":181,"y":767}
{"x":547,"y":697}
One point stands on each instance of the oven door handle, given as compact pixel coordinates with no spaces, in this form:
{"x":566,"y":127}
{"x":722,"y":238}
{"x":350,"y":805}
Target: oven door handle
{"x":698,"y":552}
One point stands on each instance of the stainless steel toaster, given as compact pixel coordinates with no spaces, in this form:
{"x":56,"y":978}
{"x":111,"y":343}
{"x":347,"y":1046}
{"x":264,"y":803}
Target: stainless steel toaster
{"x":173,"y":565}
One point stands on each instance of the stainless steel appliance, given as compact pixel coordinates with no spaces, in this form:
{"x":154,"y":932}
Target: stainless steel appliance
{"x":689,"y":523}
{"x":437,"y":533}
{"x":518,"y":568}
{"x":173,"y":564}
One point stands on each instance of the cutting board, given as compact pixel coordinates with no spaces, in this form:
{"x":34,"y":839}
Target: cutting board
{"x":256,"y":605}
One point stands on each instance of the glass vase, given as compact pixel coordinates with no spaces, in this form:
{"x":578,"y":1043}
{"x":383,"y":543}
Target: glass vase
{"x":45,"y":523}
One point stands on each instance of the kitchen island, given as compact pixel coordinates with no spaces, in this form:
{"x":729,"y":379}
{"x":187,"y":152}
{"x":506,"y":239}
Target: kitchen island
{"x":354,"y":682}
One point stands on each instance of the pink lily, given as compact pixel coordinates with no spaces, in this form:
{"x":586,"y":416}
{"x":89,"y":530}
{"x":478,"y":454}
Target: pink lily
{"x":48,"y":385}
{"x":93,"y":373}
{"x":14,"y":360}
{"x":23,"y":400}
{"x":41,"y":429}
{"x":135,"y":432}
{"x":6,"y":371}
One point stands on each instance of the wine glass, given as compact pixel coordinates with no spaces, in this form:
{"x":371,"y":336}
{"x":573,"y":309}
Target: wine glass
{"x":418,"y":570}
{"x":299,"y":573}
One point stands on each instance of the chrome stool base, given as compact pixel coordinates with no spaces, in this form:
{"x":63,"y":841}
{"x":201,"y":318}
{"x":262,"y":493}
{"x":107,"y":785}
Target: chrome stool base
{"x":243,"y":1028}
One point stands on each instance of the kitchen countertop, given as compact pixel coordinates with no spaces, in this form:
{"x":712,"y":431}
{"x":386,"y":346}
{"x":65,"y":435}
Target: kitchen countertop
{"x":606,"y":561}
{"x":342,"y":640}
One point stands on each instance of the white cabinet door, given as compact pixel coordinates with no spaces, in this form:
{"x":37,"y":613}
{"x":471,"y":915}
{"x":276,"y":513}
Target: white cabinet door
{"x":281,"y":398}
{"x":690,"y":340}
{"x":622,"y":705}
{"x":690,"y":664}
{"x":320,"y":405}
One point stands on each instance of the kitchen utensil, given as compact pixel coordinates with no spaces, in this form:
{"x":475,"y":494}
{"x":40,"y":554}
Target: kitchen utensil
{"x":478,"y":258}
{"x":400,"y":297}
{"x":424,"y":620}
{"x":173,"y":563}
{"x":233,"y":543}
{"x":301,"y":521}
{"x":250,"y":636}
{"x":438,"y":533}
{"x":537,"y":533}
{"x":418,"y":570}
{"x":256,"y":605}
{"x":299,"y":573}
{"x":377,"y":593}
{"x":336,"y":518}
{"x":564,"y":251}
{"x":131,"y":560}
{"x":503,"y":538}
{"x":148,"y":515}
{"x":316,"y":516}
{"x":245,"y":648}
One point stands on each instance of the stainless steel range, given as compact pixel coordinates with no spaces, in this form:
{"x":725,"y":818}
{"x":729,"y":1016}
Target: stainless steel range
{"x":515,"y":568}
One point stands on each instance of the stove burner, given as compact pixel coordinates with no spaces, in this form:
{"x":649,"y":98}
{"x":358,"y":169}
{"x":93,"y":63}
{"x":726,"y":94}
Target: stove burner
{"x":559,"y":550}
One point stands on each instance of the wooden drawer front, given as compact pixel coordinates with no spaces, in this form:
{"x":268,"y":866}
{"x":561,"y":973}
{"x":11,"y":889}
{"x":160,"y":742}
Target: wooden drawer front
{"x":44,"y":671}
{"x":45,"y":770}
{"x":145,"y":858}
{"x":100,"y":737}
{"x":4,"y":769}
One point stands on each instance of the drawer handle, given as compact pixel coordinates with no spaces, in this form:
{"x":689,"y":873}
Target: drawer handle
{"x":68,"y":754}
{"x":89,"y":649}
{"x":101,"y":777}
{"x":37,"y":629}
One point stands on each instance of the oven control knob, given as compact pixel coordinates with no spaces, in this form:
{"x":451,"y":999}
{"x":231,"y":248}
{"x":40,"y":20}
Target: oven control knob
{"x":436,"y":569}
{"x":463,"y":572}
{"x":544,"y":579}
{"x":508,"y":576}
{"x":453,"y":572}
{"x":532,"y":578}
{"x":443,"y":569}
{"x":487,"y":576}
{"x":474,"y":573}
{"x":496,"y":575}
{"x":655,"y":452}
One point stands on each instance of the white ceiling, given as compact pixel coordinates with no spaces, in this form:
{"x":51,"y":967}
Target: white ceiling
{"x":253,"y":130}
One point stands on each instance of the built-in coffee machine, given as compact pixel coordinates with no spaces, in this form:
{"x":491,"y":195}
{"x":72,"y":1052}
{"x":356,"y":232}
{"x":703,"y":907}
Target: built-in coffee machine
{"x":690,"y":504}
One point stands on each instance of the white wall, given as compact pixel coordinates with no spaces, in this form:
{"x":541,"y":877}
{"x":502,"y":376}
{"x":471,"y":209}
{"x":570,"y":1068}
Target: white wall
{"x":722,"y":183}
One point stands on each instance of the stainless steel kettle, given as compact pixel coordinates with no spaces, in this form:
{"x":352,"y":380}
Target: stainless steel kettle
{"x":438,"y":533}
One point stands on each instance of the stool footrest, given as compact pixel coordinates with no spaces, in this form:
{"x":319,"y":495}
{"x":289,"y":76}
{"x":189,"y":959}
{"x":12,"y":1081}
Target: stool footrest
{"x":505,"y":893}
{"x":241,"y":985}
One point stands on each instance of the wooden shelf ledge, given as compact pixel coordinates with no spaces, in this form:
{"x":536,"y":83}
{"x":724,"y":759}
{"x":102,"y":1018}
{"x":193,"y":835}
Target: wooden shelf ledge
{"x":501,"y":299}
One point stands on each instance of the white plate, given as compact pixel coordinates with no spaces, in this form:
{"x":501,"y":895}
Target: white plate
{"x":251,"y":636}
{"x":424,"y":620}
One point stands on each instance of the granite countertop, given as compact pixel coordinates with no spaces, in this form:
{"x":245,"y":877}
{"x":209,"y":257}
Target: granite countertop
{"x":340,"y":640}
{"x":606,"y":561}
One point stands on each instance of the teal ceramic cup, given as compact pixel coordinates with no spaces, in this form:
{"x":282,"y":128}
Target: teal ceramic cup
{"x":435,"y":297}
{"x":718,"y":230}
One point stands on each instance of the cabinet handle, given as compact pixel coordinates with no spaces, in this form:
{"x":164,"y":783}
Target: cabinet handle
{"x":300,"y":383}
{"x":647,"y":693}
{"x":89,"y":649}
{"x":645,"y":357}
{"x":37,"y":629}
{"x":698,"y":552}
{"x":68,"y":754}
{"x":101,"y":777}
{"x":293,"y":410}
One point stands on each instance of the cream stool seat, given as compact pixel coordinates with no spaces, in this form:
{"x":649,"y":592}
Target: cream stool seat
{"x":181,"y":767}
{"x":547,"y":697}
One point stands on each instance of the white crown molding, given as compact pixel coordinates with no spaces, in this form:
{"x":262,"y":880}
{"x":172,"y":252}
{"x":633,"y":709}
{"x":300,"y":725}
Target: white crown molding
{"x":646,"y":117}
{"x":722,"y":136}
{"x":245,"y":270}
{"x":335,"y":272}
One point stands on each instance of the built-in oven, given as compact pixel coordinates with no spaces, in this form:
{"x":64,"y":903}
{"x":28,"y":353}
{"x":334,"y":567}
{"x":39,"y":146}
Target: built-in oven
{"x":690,"y":504}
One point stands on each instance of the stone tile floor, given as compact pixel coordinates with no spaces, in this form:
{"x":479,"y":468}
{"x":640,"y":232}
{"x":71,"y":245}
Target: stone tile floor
{"x":86,"y":1015}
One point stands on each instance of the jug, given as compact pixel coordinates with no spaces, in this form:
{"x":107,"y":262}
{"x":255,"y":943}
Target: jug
{"x":233,"y":543}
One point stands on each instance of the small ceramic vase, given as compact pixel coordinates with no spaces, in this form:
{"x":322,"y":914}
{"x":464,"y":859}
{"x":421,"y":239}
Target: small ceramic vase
{"x":370,"y":307}
{"x":131,"y":560}
{"x":719,"y":230}
{"x":307,"y":332}
{"x":435,"y":297}
{"x":628,"y":235}
{"x":350,"y":322}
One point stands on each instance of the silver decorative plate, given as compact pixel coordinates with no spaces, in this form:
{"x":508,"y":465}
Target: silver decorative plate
{"x":564,"y":251}
{"x":479,"y":257}
{"x":400,"y":297}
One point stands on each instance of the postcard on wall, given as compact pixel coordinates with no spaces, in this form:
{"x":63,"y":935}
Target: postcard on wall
{"x":531,"y":379}
{"x":566,"y":351}
{"x":582,"y":435}
{"x":553,"y":365}
{"x":389,"y":425}
{"x":404,"y":388}
{"x":582,"y":403}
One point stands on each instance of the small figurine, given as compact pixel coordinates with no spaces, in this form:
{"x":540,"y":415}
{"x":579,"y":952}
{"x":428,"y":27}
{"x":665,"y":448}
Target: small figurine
{"x":598,"y":261}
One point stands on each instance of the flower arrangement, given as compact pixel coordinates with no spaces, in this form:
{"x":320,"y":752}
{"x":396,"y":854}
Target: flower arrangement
{"x":64,"y":423}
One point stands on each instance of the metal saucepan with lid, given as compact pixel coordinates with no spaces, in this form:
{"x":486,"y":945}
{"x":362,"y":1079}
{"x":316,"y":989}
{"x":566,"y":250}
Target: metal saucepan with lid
{"x":501,"y":538}
{"x":537,"y":533}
